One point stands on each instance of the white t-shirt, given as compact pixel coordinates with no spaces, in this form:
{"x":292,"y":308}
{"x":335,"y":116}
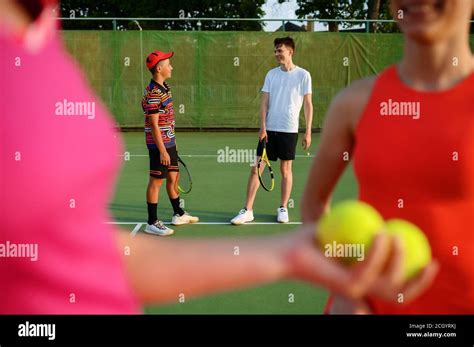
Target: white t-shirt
{"x":286,"y":93}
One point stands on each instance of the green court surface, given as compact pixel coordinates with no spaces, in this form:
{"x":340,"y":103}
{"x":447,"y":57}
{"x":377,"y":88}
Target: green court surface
{"x":217,"y":196}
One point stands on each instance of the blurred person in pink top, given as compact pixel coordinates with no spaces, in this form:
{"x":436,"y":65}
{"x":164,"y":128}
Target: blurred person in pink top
{"x":57,"y":164}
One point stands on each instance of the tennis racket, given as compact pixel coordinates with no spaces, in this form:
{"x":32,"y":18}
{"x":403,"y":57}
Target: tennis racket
{"x":185,"y":183}
{"x":265,"y":175}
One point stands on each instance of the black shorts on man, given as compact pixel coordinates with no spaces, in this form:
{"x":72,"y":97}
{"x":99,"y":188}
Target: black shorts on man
{"x":279,"y":146}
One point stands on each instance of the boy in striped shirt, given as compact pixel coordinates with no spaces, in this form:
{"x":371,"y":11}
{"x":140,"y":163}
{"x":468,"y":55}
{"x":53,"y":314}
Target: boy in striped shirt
{"x":157,"y":104}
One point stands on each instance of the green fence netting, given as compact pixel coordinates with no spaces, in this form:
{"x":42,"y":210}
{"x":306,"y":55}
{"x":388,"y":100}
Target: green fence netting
{"x":217,"y":76}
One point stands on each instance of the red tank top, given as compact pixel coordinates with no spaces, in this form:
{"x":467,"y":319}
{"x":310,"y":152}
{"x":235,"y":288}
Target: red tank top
{"x":414,"y":159}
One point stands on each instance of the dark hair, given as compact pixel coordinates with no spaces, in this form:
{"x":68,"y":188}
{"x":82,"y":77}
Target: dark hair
{"x":287,"y":41}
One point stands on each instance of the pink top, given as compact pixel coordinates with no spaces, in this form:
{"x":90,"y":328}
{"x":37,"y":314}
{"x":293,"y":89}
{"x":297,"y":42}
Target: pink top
{"x":58,"y":162}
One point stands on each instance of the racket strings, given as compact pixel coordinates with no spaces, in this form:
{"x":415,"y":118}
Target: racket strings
{"x":267,"y":177}
{"x":184,"y":183}
{"x":265,"y":174}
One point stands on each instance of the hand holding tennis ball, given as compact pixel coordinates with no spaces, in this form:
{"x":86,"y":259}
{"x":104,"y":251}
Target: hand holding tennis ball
{"x":348,"y":231}
{"x":415,"y":245}
{"x":351,"y":227}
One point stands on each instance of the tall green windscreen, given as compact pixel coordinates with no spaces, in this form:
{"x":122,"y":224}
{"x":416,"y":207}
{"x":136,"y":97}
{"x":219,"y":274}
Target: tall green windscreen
{"x":217,"y":76}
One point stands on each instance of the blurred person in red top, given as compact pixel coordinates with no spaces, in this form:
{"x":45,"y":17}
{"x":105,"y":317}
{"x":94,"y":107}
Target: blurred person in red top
{"x":67,"y":162}
{"x":417,"y":162}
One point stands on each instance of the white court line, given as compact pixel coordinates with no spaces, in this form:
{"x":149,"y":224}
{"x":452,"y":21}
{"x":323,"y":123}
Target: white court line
{"x":135,"y":230}
{"x":205,"y":223}
{"x":204,"y":155}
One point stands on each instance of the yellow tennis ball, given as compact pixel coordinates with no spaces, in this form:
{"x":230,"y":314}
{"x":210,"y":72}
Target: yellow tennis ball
{"x":348,"y":230}
{"x":415,"y":245}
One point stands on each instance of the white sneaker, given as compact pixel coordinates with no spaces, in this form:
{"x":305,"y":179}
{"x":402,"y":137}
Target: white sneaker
{"x":186,"y":218}
{"x":282,"y":215}
{"x":158,"y":228}
{"x":244,"y":216}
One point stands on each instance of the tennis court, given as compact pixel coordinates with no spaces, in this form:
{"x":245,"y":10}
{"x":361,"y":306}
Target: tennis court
{"x":218,"y":194}
{"x":216,"y":86}
{"x":181,"y":95}
{"x":212,"y":91}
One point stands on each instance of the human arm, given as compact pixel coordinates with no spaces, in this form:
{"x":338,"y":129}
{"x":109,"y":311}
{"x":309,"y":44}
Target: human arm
{"x":159,"y":269}
{"x":156,"y":133}
{"x":334,"y":150}
{"x":263,"y":115}
{"x":308,"y":115}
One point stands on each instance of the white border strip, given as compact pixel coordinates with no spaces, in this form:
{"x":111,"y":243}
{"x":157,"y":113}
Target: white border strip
{"x":204,"y":155}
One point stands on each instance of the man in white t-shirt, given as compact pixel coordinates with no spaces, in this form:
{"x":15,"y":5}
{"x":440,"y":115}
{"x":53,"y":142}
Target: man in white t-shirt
{"x":286,"y":88}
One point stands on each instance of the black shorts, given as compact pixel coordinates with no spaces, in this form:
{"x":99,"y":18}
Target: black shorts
{"x":157,"y":170}
{"x":279,"y":146}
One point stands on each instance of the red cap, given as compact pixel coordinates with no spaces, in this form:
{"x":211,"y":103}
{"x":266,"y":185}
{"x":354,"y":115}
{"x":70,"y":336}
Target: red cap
{"x":155,"y":57}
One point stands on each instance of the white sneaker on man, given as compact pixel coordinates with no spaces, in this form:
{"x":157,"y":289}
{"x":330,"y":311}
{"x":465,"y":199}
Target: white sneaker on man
{"x":282,"y":215}
{"x":186,"y":218}
{"x":158,"y":228}
{"x":244,"y":216}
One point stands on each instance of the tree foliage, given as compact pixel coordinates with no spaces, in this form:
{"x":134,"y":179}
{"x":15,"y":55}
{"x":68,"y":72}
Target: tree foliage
{"x":164,"y":9}
{"x":346,"y":9}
